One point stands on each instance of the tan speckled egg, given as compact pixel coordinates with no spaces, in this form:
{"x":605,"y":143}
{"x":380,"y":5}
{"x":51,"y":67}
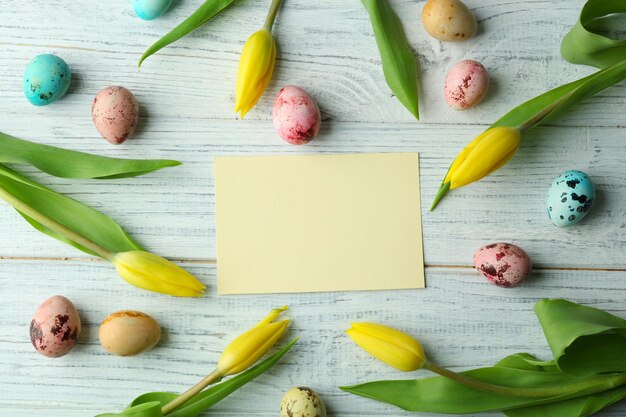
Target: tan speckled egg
{"x":115,"y":112}
{"x":448,"y":20}
{"x":129,"y":333}
{"x":55,"y":327}
{"x":302,"y":402}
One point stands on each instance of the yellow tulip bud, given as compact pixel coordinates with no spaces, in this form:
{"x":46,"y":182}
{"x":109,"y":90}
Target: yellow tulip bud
{"x":151,"y":272}
{"x":389,"y":345}
{"x":255,"y":70}
{"x":486,"y":153}
{"x":248,"y":347}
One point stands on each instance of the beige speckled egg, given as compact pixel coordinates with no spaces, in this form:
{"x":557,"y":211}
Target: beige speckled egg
{"x":448,"y":20}
{"x":302,"y":402}
{"x":115,"y":112}
{"x":55,"y":327}
{"x":129,"y":333}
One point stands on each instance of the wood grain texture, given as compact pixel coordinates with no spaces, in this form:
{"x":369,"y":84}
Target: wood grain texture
{"x":186,"y":93}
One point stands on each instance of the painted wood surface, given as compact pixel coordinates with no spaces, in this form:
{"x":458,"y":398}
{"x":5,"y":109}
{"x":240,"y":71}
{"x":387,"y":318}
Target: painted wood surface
{"x":186,"y":93}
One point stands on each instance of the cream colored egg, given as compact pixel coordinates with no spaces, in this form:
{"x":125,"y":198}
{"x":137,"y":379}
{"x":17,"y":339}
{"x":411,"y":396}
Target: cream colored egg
{"x":302,"y":402}
{"x":448,"y":20}
{"x":129,"y":333}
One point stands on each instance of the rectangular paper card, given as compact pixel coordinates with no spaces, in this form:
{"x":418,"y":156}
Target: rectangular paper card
{"x":303,"y":223}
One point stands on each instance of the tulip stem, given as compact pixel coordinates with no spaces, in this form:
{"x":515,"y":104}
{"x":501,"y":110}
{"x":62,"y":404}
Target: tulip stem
{"x":601,"y":384}
{"x":443,"y":190}
{"x":271,"y":14}
{"x":53,"y":225}
{"x":211,"y":378}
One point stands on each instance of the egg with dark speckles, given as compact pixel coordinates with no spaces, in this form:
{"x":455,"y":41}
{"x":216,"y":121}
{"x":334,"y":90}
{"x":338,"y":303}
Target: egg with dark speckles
{"x":150,"y":9}
{"x":115,"y":112}
{"x":503,"y":264}
{"x":570,"y":198}
{"x":46,"y":79}
{"x":55,"y":327}
{"x":466,"y":84}
{"x":302,"y":402}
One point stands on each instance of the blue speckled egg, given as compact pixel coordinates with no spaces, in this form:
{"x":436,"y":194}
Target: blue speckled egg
{"x":570,"y":197}
{"x":150,"y":9}
{"x":46,"y":79}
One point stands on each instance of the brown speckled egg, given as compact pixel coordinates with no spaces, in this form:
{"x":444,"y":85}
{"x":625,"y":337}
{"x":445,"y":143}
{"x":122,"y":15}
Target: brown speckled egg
{"x":55,"y":328}
{"x":302,"y":402}
{"x":115,"y":112}
{"x":129,"y":333}
{"x":503,"y":264}
{"x":466,"y":84}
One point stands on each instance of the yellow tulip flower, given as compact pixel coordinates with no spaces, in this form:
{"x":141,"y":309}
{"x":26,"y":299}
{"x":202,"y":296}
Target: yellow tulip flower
{"x":151,"y":272}
{"x":248,"y":347}
{"x":488,"y":152}
{"x":389,"y":345}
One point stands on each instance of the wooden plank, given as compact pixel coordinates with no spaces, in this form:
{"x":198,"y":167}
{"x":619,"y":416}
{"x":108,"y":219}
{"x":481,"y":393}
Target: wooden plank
{"x":326,"y":47}
{"x":173,"y":211}
{"x":462,"y":320}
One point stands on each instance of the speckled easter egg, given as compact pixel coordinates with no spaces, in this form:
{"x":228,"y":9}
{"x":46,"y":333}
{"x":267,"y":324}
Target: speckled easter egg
{"x":466,"y":84}
{"x":46,"y":79}
{"x":115,"y":112}
{"x":302,"y":402}
{"x":150,"y":9}
{"x":570,"y":198}
{"x":55,"y":327}
{"x":296,"y":116}
{"x":448,"y":20}
{"x":503,"y":264}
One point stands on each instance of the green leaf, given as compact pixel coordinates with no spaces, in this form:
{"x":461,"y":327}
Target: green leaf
{"x":552,"y":104}
{"x":148,"y":409}
{"x":584,"y":46}
{"x":584,"y":340}
{"x":206,"y":12}
{"x":577,"y":407}
{"x":442,"y":395}
{"x":399,"y":65}
{"x":76,"y":216}
{"x":211,"y":396}
{"x":66,"y":163}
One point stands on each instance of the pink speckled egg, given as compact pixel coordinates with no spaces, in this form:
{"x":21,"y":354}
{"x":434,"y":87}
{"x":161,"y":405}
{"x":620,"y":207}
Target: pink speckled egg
{"x":296,"y":116}
{"x":115,"y":113}
{"x":466,"y":84}
{"x":55,"y":327}
{"x":504,"y":264}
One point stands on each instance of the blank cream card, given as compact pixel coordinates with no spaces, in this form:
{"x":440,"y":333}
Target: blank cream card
{"x":303,"y":223}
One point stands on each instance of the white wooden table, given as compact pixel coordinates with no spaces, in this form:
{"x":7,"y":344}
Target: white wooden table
{"x":186,"y":93}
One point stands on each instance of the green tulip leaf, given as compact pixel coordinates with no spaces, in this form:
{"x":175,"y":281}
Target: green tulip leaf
{"x":206,"y":12}
{"x":584,"y":340}
{"x":71,"y":214}
{"x":148,"y":409}
{"x":552,"y":104}
{"x":66,"y":163}
{"x":399,"y":64}
{"x":211,"y":396}
{"x":583,"y":45}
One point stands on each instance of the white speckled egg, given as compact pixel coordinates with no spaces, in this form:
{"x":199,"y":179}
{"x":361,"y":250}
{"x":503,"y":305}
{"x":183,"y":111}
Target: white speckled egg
{"x":115,"y":112}
{"x":150,"y":9}
{"x":570,"y":197}
{"x":129,"y":333}
{"x":46,"y":79}
{"x":503,"y":264}
{"x":302,"y":402}
{"x":448,"y":20}
{"x":55,"y":327}
{"x":466,"y":84}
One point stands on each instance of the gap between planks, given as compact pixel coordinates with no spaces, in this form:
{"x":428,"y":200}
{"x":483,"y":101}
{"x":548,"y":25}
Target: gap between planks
{"x":214,"y":261}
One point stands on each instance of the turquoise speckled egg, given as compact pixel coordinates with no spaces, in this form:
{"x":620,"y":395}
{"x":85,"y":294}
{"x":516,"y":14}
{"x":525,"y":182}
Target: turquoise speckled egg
{"x":150,"y":9}
{"x":46,"y":79}
{"x":570,"y":197}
